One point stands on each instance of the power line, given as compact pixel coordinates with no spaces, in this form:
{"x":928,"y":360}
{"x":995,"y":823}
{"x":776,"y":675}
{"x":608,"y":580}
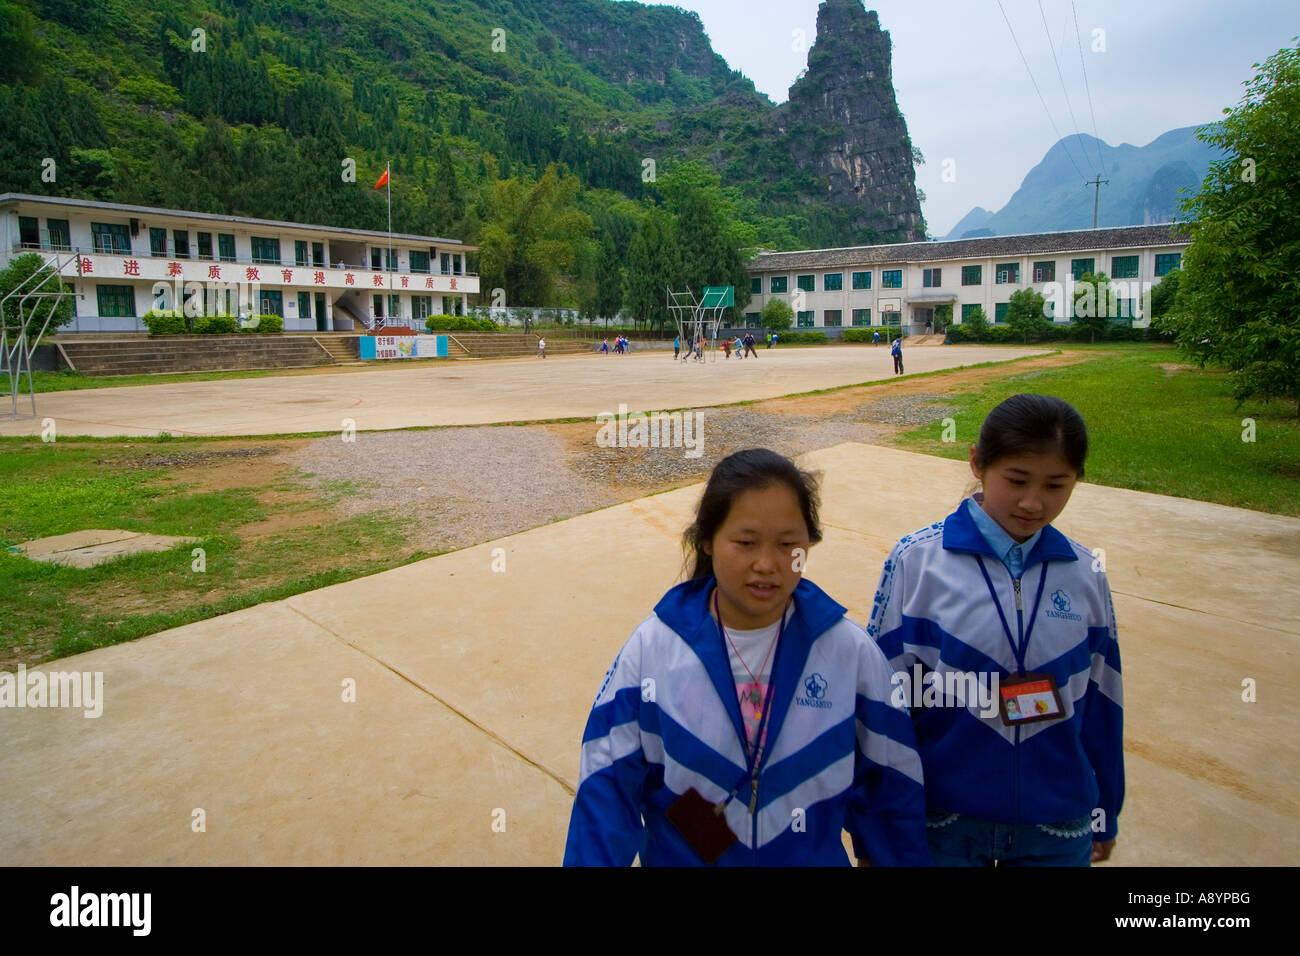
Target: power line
{"x":1068,"y":155}
{"x":1095,"y":137}
{"x":1074,"y":124}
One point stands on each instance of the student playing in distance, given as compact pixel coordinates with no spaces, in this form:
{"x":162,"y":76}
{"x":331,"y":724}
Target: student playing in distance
{"x":748,"y":721}
{"x":996,"y":591}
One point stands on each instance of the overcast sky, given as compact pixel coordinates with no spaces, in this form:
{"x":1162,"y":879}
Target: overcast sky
{"x":966,"y":93}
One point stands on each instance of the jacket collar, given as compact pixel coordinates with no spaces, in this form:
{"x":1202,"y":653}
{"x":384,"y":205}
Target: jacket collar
{"x":685,"y":609}
{"x":961,"y":533}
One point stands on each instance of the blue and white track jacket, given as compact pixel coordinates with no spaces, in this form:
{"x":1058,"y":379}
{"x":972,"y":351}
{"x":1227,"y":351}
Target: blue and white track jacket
{"x":839,"y":755}
{"x":934,"y":607}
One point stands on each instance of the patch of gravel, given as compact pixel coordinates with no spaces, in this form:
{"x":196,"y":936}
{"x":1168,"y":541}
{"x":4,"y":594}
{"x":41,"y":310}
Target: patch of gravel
{"x":189,"y":459}
{"x":909,"y":410}
{"x":456,"y":486}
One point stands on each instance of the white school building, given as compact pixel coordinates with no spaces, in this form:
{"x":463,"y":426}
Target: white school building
{"x":119,"y":259}
{"x":902,"y":283}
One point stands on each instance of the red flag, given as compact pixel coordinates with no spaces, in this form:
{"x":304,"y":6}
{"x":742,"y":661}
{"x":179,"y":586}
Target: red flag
{"x":382,"y":179}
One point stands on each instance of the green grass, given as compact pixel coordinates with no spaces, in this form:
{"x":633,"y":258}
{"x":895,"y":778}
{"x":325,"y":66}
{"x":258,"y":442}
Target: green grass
{"x":1178,"y":435}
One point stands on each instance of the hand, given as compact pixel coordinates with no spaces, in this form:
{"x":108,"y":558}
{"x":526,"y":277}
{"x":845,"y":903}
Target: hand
{"x":1101,"y":850}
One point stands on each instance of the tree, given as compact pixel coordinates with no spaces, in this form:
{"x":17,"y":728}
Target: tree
{"x":653,"y":267}
{"x":33,"y":313}
{"x":1165,"y":294}
{"x":1025,"y":314}
{"x":976,"y":324}
{"x":1093,"y":304}
{"x":609,"y":280}
{"x":1238,"y":303}
{"x":777,"y":315}
{"x":942,"y":317}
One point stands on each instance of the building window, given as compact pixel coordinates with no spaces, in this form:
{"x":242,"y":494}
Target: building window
{"x":1007,"y":272}
{"x":968,"y":309}
{"x":272,"y":302}
{"x":1000,"y":311}
{"x":181,"y":239}
{"x":383,"y":255}
{"x":318,"y":254}
{"x":753,"y":320}
{"x":1125,"y":309}
{"x":111,"y":238}
{"x":1167,"y":262}
{"x":889,"y":318}
{"x":205,"y":245}
{"x":445,"y":263}
{"x":833,"y":282}
{"x":832,"y":318}
{"x":806,"y":283}
{"x":1049,"y":309}
{"x":779,"y":284}
{"x":266,"y":250}
{"x":862,"y":280}
{"x":931,"y":278}
{"x":891,"y":278}
{"x":1081,"y":267}
{"x":29,"y":232}
{"x":226,"y":247}
{"x":755,"y":285}
{"x":805,"y":320}
{"x":419,"y":261}
{"x":116,"y":301}
{"x":300,"y":252}
{"x":1045,"y":271}
{"x":1123,"y":267}
{"x":421,"y":306}
{"x":972,"y":275}
{"x":304,"y":304}
{"x":158,"y":242}
{"x":861,"y":316}
{"x":60,"y":234}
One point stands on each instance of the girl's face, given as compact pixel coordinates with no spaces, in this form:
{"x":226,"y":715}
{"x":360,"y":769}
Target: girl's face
{"x":754,"y":556}
{"x":1025,"y":492}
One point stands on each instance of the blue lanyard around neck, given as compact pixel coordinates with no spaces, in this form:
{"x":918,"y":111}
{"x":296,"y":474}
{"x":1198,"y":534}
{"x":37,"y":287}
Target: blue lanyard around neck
{"x":1017,"y":653}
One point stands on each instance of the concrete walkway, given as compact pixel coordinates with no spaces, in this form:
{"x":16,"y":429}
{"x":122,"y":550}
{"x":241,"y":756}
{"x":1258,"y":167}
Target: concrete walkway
{"x":472,"y":393}
{"x":472,"y":687}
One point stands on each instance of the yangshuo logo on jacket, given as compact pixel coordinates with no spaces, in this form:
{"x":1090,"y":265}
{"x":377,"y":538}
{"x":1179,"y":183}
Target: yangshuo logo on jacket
{"x":1061,"y":606}
{"x":814,"y":689}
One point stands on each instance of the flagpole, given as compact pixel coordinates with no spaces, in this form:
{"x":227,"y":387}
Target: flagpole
{"x":388,"y":187}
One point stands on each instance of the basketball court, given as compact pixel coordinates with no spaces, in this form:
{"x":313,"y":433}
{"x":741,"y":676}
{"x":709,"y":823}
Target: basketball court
{"x":433,"y":714}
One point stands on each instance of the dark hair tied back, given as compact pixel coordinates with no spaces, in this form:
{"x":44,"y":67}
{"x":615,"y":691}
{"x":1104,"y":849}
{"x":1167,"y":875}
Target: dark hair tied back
{"x":1033,"y":425}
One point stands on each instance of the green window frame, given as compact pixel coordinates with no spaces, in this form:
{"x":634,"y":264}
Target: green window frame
{"x":1123,"y":267}
{"x":1000,"y":311}
{"x":806,"y":283}
{"x":833,"y":282}
{"x":272,"y":303}
{"x":205,"y":245}
{"x":861,"y":317}
{"x":157,"y":242}
{"x":419,"y":261}
{"x":755,"y":285}
{"x":300,"y":252}
{"x":832,"y":318}
{"x":1167,"y":262}
{"x":115,"y":301}
{"x":968,"y":309}
{"x":1007,"y":273}
{"x":60,"y":234}
{"x":891,"y":278}
{"x":931,"y":278}
{"x":862,"y":280}
{"x":29,"y":232}
{"x":266,"y":250}
{"x":110,"y":238}
{"x":805,"y":320}
{"x":780,"y":284}
{"x":753,"y":320}
{"x":181,"y":240}
{"x":891,"y":318}
{"x":972,"y":275}
{"x":1081,"y":267}
{"x":318,"y":254}
{"x":421,"y":307}
{"x":226,"y":247}
{"x":1045,"y":271}
{"x":304,"y":305}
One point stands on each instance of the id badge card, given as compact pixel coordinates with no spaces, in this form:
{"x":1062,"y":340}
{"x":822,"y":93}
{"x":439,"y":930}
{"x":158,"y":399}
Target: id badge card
{"x":699,"y":823}
{"x":1024,"y":700}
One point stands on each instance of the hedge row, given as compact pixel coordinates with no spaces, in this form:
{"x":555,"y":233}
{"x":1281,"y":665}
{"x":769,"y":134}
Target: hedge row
{"x":459,"y":323}
{"x":177,"y":323}
{"x":887,"y":333}
{"x":997,"y":334}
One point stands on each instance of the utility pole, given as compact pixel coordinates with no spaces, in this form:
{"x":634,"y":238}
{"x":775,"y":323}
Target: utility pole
{"x":1096,"y":183}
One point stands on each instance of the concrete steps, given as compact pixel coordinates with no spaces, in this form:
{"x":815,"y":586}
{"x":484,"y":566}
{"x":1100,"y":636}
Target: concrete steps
{"x":343,"y":349}
{"x":151,"y":355}
{"x":492,"y":345}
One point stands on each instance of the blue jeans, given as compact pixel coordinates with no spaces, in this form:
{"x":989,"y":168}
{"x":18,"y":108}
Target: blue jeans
{"x":957,"y":840}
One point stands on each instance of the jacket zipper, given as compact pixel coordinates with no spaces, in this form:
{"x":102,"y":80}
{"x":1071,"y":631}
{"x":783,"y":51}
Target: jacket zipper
{"x":1020,"y":637}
